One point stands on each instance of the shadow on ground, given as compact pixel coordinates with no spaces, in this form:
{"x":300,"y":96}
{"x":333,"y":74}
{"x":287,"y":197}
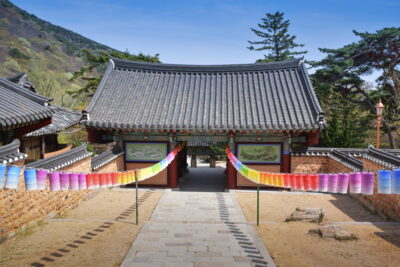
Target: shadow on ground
{"x":204,"y":179}
{"x":390,"y":231}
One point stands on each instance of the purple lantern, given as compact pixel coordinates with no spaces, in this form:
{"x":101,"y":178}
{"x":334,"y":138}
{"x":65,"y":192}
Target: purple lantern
{"x":41,"y":177}
{"x":73,"y":181}
{"x":54,"y":181}
{"x":82,"y":181}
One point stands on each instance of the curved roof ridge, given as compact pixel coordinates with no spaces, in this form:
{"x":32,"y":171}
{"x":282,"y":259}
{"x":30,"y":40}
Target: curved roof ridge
{"x":25,"y":92}
{"x":128,"y":64}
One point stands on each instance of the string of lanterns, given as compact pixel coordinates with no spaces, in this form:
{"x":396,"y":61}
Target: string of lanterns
{"x":355,"y":183}
{"x":36,"y":179}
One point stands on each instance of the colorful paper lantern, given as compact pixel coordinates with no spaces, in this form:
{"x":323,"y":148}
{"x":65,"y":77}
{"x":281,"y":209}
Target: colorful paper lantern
{"x":124,"y":178}
{"x":82,"y":181}
{"x":367,"y":183}
{"x":120,"y":178}
{"x":102,"y":180}
{"x":3,"y":169}
{"x":41,"y":179}
{"x":299,"y":182}
{"x":54,"y":180}
{"x":355,"y":182}
{"x":30,"y":179}
{"x":90,"y":181}
{"x":96,"y":180}
{"x":306,"y":181}
{"x":343,"y":183}
{"x":281,"y":180}
{"x":314,"y":182}
{"x":109,"y":179}
{"x":64,"y":181}
{"x":323,"y":183}
{"x":74,"y":181}
{"x":12,"y":178}
{"x":293,"y":181}
{"x":384,"y":182}
{"x":286,"y":179}
{"x":114,"y":177}
{"x":332,"y":183}
{"x":396,"y":181}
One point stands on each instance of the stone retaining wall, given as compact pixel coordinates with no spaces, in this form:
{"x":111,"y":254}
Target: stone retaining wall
{"x":20,"y":209}
{"x":385,"y":205}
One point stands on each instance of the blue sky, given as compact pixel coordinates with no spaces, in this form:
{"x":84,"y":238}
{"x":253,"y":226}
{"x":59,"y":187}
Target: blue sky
{"x":212,"y":31}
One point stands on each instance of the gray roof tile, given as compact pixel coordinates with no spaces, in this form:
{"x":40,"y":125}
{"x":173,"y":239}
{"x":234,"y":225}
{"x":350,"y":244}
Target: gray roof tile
{"x":62,"y":160}
{"x":10,"y":153}
{"x":134,"y":95}
{"x":62,"y":119}
{"x":19,"y":106}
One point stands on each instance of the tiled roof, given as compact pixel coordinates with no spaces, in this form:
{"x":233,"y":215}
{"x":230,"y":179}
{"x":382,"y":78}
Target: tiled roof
{"x":62,"y":119}
{"x":10,"y":153}
{"x":382,"y":157}
{"x":62,"y":160}
{"x":19,"y":106}
{"x":264,"y":96}
{"x":390,"y":158}
{"x":22,"y":80}
{"x":347,"y":160}
{"x":105,"y":157}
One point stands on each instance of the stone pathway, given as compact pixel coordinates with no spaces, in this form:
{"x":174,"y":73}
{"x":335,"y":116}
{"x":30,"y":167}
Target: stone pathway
{"x":198,"y":229}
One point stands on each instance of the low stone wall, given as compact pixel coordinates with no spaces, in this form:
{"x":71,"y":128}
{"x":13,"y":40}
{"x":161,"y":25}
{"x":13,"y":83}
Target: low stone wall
{"x":385,"y":205}
{"x":336,"y":167}
{"x":309,"y":164}
{"x":20,"y":208}
{"x":113,"y":166}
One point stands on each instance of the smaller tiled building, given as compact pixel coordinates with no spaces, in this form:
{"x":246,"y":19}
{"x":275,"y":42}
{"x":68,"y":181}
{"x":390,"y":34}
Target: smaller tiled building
{"x":21,"y":111}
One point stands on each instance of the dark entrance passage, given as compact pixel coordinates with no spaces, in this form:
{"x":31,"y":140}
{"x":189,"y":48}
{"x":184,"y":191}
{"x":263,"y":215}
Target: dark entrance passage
{"x":204,"y":179}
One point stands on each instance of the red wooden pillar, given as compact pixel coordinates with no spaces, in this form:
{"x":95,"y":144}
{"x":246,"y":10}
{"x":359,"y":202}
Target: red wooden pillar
{"x":285,"y":167}
{"x":173,"y":173}
{"x":230,"y":175}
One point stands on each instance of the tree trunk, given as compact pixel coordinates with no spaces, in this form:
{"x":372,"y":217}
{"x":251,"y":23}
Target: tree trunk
{"x":388,"y":130}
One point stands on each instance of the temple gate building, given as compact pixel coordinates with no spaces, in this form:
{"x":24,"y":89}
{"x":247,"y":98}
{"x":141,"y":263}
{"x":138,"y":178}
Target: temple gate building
{"x":261,"y":111}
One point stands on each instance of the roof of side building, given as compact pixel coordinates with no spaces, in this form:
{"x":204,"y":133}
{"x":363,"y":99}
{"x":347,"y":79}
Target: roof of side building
{"x":62,"y":160}
{"x":19,"y":106}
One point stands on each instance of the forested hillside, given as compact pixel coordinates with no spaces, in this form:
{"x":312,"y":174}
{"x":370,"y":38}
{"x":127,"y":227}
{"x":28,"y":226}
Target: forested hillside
{"x":48,"y":53}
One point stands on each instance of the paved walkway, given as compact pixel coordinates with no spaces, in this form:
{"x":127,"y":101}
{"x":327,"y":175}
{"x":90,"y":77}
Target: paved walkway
{"x":197,"y":229}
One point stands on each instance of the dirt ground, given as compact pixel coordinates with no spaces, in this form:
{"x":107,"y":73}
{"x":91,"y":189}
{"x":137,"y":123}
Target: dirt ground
{"x":290,"y":244}
{"x":99,"y":232}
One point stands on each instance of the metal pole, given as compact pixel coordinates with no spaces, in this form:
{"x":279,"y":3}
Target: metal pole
{"x":378,"y":126}
{"x":258,"y":204}
{"x":137,"y":198}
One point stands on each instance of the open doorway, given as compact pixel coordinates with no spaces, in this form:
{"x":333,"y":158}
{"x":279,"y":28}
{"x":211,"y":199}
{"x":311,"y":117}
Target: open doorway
{"x":206,"y":167}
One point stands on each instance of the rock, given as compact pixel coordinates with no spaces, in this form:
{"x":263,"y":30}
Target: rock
{"x":314,"y":215}
{"x":332,"y":231}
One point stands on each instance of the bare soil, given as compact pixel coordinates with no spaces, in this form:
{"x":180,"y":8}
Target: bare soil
{"x":99,"y":232}
{"x":290,"y":244}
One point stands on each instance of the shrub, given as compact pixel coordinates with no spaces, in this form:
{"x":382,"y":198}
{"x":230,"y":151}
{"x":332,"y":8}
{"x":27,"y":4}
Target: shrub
{"x":16,"y":53}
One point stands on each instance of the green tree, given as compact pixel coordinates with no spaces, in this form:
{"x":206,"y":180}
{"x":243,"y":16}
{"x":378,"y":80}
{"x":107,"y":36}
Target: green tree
{"x":347,"y":126}
{"x":343,"y":70}
{"x":96,"y":63}
{"x":274,"y":32}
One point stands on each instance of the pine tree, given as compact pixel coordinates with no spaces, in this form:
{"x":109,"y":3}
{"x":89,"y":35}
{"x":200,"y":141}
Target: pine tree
{"x":275,"y":39}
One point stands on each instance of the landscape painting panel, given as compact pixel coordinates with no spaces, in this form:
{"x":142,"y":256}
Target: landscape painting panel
{"x":259,"y":153}
{"x":145,"y":151}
